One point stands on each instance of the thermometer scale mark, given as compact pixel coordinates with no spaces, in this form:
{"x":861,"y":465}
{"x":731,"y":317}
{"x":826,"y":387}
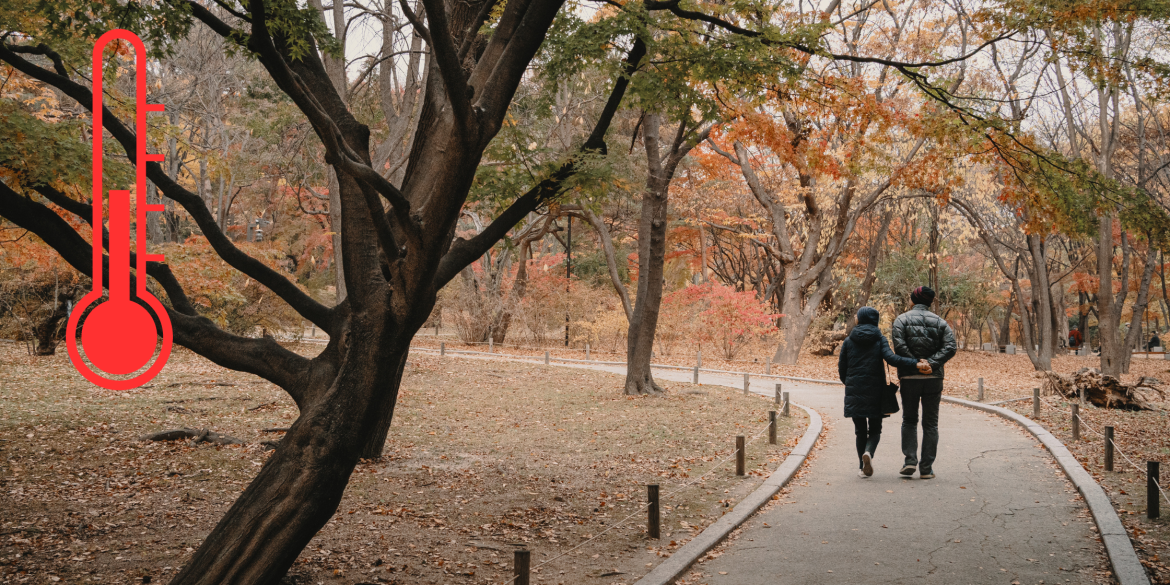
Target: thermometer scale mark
{"x":120,"y":335}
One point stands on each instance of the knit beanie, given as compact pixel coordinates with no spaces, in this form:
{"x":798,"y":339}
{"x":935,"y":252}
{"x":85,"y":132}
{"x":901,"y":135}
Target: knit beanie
{"x":922,"y":295}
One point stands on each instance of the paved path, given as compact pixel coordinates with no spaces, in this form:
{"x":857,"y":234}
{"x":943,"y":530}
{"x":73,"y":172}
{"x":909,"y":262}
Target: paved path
{"x":999,"y":511}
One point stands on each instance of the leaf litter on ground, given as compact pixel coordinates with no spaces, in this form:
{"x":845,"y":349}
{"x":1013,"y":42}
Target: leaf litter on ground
{"x":482,"y":458}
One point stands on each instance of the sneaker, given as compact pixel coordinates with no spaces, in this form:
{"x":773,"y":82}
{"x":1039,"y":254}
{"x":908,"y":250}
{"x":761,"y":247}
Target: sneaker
{"x":908,"y":470}
{"x":927,"y":475}
{"x":867,"y":464}
{"x":862,"y":474}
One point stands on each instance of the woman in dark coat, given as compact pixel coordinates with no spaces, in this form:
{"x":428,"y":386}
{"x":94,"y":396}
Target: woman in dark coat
{"x":862,"y":371}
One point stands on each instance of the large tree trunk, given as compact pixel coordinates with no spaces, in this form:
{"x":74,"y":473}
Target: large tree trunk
{"x":793,"y":329}
{"x":652,"y":249}
{"x":1135,"y":335}
{"x":300,"y":486}
{"x":1006,"y":330}
{"x":799,"y":309}
{"x":1059,"y":318}
{"x":648,"y":301}
{"x":1108,"y":314}
{"x":1040,"y":350}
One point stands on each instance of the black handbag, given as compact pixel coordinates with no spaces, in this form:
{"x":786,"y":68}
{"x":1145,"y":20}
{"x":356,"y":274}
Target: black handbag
{"x":889,"y":397}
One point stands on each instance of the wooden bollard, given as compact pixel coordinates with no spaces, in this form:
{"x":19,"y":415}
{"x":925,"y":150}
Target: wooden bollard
{"x":653,"y":522}
{"x":777,"y":393}
{"x":1108,"y":448}
{"x":980,"y":389}
{"x":1076,"y":421}
{"x":442,"y":349}
{"x":768,"y":368}
{"x":491,"y":344}
{"x":1153,"y":505}
{"x":436,"y":328}
{"x":786,"y":412}
{"x":696,"y":375}
{"x":522,"y":562}
{"x":1035,"y":403}
{"x":699,"y":359}
{"x":739,"y":455}
{"x":546,"y":358}
{"x":771,"y":427}
{"x":586,"y":352}
{"x":746,"y":383}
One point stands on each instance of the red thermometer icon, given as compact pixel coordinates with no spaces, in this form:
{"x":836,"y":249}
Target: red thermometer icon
{"x":120,"y":335}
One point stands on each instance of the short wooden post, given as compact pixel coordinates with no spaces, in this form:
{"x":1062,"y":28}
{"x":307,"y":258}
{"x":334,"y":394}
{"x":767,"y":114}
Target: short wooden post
{"x":1035,"y":403}
{"x":1081,"y":395}
{"x":1153,"y":505}
{"x":980,"y":389}
{"x":739,"y":455}
{"x":696,"y":374}
{"x":653,"y":522}
{"x":1108,"y":448}
{"x":313,"y":330}
{"x":521,"y":561}
{"x":586,"y":352}
{"x":436,"y":328}
{"x":768,"y":368}
{"x":546,"y":357}
{"x":777,"y":393}
{"x":699,"y":359}
{"x":442,"y":349}
{"x":786,"y":413}
{"x":771,"y":427}
{"x":746,"y":383}
{"x":1076,"y":421}
{"x":491,"y":344}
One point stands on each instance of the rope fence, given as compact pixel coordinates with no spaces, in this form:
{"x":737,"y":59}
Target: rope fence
{"x":1113,"y":443}
{"x":643,"y":507}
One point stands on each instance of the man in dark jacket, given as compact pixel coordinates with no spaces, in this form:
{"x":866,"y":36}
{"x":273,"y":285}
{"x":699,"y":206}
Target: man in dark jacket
{"x":921,"y":335}
{"x":861,"y":368}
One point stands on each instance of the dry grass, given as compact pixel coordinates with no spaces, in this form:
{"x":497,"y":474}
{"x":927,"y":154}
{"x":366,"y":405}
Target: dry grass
{"x":483,"y":457}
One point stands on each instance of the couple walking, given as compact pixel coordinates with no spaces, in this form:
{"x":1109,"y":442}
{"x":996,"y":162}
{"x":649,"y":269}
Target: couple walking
{"x":922,"y":343}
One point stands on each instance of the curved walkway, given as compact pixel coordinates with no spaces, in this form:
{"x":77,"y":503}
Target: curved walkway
{"x":999,"y":511}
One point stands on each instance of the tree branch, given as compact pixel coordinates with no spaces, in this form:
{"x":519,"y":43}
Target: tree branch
{"x":447,"y":58}
{"x":263,"y":357}
{"x":192,"y":203}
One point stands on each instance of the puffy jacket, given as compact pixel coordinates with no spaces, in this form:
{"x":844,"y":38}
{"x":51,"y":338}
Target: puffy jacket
{"x":920,"y":334}
{"x":861,"y":369}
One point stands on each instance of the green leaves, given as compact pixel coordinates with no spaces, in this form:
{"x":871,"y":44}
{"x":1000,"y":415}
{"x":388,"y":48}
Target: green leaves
{"x":36,"y":152}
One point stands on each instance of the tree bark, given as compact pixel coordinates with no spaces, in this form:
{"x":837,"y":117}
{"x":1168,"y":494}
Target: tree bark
{"x":652,"y":250}
{"x":1040,"y":350}
{"x":1108,"y":314}
{"x":1134,"y":337}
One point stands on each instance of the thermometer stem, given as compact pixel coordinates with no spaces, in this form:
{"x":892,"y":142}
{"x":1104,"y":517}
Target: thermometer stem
{"x":119,"y":244}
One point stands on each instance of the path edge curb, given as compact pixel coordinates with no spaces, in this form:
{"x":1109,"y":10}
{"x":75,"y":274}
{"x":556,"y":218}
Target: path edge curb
{"x":677,"y":564}
{"x":1127,"y":568}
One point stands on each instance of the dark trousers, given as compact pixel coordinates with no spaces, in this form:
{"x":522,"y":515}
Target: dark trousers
{"x":928,"y":392}
{"x":869,"y":432}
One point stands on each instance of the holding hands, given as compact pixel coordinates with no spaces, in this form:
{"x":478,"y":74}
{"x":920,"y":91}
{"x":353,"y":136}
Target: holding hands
{"x":924,"y":367}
